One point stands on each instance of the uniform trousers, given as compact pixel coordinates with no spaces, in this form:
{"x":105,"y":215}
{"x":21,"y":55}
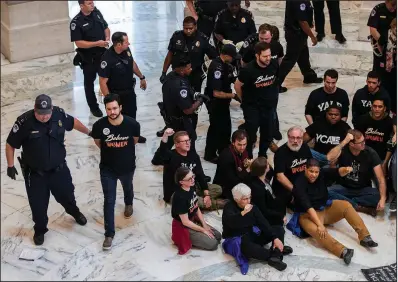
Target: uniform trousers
{"x":334,"y":16}
{"x":90,"y":70}
{"x":38,"y":187}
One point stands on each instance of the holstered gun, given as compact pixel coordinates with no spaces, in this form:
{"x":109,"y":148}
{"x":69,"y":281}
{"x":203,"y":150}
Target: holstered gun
{"x":22,"y":164}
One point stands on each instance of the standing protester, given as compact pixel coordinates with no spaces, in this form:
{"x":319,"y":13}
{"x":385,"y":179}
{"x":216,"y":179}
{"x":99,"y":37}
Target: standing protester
{"x":379,"y":22}
{"x":117,"y":75}
{"x":321,"y":98}
{"x":258,"y":90}
{"x":390,"y":75}
{"x":116,"y":136}
{"x":298,"y":24}
{"x":219,"y":90}
{"x":334,"y":17}
{"x":91,"y":34}
{"x":41,"y":133}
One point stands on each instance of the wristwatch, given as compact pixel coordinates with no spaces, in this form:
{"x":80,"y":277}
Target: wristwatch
{"x":142,"y":78}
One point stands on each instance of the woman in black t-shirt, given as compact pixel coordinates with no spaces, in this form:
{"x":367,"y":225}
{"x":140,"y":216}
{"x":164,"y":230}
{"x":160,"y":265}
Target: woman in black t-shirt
{"x":314,"y":209}
{"x":189,"y":227}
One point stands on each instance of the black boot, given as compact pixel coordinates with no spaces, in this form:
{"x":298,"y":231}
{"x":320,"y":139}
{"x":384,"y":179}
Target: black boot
{"x":38,"y":239}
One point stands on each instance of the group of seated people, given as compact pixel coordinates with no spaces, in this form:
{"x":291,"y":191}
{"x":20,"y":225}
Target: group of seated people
{"x":255,"y":197}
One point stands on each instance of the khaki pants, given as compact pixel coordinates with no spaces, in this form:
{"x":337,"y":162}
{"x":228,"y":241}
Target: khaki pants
{"x":336,"y":212}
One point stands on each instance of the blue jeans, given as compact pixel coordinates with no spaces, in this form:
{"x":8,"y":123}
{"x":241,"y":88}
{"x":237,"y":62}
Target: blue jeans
{"x":321,"y":158}
{"x":366,"y":197}
{"x":109,"y":183}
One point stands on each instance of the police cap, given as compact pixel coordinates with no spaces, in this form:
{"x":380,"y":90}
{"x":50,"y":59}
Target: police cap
{"x":43,"y":104}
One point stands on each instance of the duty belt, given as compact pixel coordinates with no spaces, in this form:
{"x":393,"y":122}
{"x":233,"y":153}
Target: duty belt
{"x":56,"y":169}
{"x":206,"y":17}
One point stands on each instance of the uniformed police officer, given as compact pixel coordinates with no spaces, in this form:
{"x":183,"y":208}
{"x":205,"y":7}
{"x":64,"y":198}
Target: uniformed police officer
{"x":379,"y":22}
{"x":218,"y":88}
{"x":298,"y":24}
{"x":41,"y":134}
{"x":91,"y":34}
{"x":117,"y":75}
{"x":180,"y":103}
{"x":334,"y":17}
{"x":234,"y":24}
{"x":193,"y":44}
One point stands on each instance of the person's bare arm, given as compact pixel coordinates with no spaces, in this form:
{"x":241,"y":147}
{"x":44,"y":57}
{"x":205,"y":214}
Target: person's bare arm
{"x":167,"y":61}
{"x":193,"y":108}
{"x":336,"y":151}
{"x":136,"y":70}
{"x":281,"y":177}
{"x":191,"y":8}
{"x":186,"y":222}
{"x":238,"y":88}
{"x":219,"y":37}
{"x":98,"y":143}
{"x":77,"y":125}
{"x":306,"y":137}
{"x":90,"y":44}
{"x":107,"y":32}
{"x":309,"y":119}
{"x":307,"y":30}
{"x":382,"y":186}
{"x":223,"y":95}
{"x":103,"y":85}
{"x":375,"y":34}
{"x":10,"y":153}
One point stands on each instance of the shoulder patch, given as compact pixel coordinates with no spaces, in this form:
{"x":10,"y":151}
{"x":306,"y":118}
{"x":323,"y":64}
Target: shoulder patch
{"x":103,"y":64}
{"x":217,"y":74}
{"x":373,"y":12}
{"x":302,"y":7}
{"x":184,"y":93}
{"x":72,"y":26}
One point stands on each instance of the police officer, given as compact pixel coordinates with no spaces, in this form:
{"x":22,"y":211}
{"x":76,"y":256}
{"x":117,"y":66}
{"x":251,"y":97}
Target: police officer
{"x":91,"y":34}
{"x":298,"y":24}
{"x":379,"y":22}
{"x":41,"y":134}
{"x":234,"y":24}
{"x":258,"y":89}
{"x":194,"y":44}
{"x":334,"y":17}
{"x":117,"y":75}
{"x":180,"y":103}
{"x":218,"y":88}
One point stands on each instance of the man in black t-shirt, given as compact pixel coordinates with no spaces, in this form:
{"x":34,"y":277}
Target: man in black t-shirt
{"x":327,"y":132}
{"x":258,"y":90}
{"x":356,"y":187}
{"x":116,"y":136}
{"x":362,"y":101}
{"x":321,"y":98}
{"x":289,"y":162}
{"x":378,"y":128}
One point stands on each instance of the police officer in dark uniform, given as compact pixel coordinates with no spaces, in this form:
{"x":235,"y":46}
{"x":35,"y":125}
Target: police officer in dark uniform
{"x":117,"y":75}
{"x":194,"y":44}
{"x":91,"y":34}
{"x":180,"y":103}
{"x":41,"y":133}
{"x":219,"y":79}
{"x":379,"y":22}
{"x":234,"y":24}
{"x":298,"y":24}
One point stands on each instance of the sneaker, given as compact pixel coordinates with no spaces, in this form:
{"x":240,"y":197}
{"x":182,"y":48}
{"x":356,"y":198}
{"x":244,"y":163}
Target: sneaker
{"x":128,"y":211}
{"x":81,"y":219}
{"x":393,"y":205}
{"x":340,"y":38}
{"x":96,"y":112}
{"x":277,"y":263}
{"x":141,"y":139}
{"x":107,"y":245}
{"x":368,"y":242}
{"x":347,"y":255}
{"x":38,"y":239}
{"x":320,"y":37}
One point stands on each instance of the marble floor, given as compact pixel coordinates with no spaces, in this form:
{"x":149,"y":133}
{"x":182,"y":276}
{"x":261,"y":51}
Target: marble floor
{"x":142,"y":247}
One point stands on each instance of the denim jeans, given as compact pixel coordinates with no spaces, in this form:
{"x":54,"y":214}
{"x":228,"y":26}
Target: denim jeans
{"x":367,"y":196}
{"x":321,"y":158}
{"x":109,"y":184}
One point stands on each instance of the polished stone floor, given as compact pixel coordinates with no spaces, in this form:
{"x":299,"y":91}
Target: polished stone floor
{"x":142,"y":247}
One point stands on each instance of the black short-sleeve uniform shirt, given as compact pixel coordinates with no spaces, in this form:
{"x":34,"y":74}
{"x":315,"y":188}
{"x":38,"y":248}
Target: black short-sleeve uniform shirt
{"x":118,"y":68}
{"x":218,"y":78}
{"x":195,"y":46}
{"x":380,"y":18}
{"x":235,"y":28}
{"x":296,"y":11}
{"x":117,"y":144}
{"x":209,"y":8}
{"x":42,"y":143}
{"x":184,"y":202}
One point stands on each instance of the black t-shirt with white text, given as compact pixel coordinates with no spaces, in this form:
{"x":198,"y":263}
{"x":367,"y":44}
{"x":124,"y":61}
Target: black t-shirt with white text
{"x":117,"y":143}
{"x":247,"y":51}
{"x":327,"y":135}
{"x":377,"y":133}
{"x":319,"y":101}
{"x":260,"y":87}
{"x":184,"y":202}
{"x":362,"y":165}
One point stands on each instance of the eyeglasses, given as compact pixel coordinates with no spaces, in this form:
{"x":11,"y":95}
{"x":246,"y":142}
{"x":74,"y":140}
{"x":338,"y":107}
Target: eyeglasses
{"x":294,"y":138}
{"x":190,"y":179}
{"x":186,"y":141}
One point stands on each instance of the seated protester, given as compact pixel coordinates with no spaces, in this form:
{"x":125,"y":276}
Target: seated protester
{"x":363,"y":98}
{"x":245,"y":227}
{"x":378,"y":128}
{"x":321,"y":98}
{"x":289,"y":163}
{"x":183,"y":156}
{"x":262,"y":195}
{"x":327,"y":133}
{"x":356,"y":187}
{"x":189,"y":227}
{"x":315,"y":210}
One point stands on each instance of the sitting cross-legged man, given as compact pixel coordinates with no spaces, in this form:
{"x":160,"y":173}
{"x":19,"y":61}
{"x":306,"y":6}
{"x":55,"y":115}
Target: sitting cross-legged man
{"x":314,"y":210}
{"x":246,"y":231}
{"x":189,"y":227}
{"x":356,"y":186}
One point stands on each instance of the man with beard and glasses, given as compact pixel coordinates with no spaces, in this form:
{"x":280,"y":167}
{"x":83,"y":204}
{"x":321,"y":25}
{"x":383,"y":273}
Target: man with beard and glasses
{"x":289,"y":162}
{"x":363,"y":98}
{"x":321,"y":98}
{"x":258,"y":90}
{"x":356,"y":187}
{"x":116,"y":136}
{"x":327,"y":133}
{"x":116,"y":75}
